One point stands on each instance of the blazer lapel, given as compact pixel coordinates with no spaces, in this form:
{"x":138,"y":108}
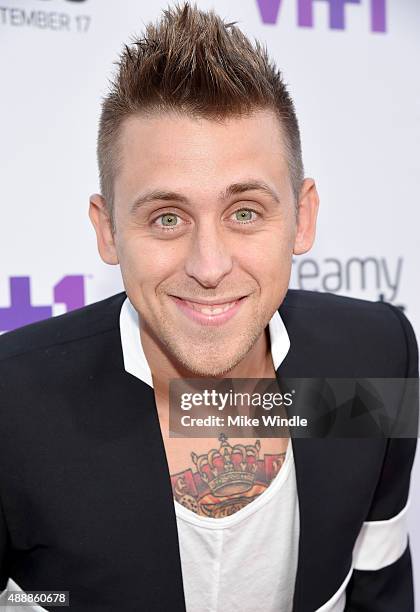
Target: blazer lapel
{"x":326,"y":473}
{"x":157,"y":512}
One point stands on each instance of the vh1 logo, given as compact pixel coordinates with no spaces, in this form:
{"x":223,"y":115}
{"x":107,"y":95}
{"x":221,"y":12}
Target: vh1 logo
{"x":270,"y":9}
{"x":70,"y":291}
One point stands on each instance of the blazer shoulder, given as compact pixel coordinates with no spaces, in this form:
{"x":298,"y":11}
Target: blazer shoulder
{"x":90,"y":320}
{"x":377,"y":333}
{"x":315,"y":300}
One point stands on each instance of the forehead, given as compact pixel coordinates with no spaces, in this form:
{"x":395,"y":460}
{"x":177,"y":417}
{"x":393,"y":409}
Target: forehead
{"x":182,"y":151}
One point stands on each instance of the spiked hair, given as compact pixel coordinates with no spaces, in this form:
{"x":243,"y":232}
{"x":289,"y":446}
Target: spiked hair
{"x":193,"y":62}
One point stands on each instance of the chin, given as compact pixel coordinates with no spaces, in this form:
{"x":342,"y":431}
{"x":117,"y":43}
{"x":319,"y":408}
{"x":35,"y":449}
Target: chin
{"x":208,"y":361}
{"x":206,"y":370}
{"x":202,"y":366}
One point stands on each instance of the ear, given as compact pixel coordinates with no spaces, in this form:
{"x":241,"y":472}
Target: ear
{"x":101,"y":221}
{"x":306,"y":217}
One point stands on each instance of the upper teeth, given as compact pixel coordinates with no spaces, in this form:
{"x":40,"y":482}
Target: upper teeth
{"x":211,"y":310}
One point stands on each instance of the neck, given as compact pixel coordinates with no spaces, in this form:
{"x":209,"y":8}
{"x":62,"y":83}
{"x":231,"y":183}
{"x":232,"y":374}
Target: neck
{"x":258,"y":363}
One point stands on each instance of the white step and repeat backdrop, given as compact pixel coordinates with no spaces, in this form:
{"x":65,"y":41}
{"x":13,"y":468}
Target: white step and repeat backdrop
{"x":352,"y":67}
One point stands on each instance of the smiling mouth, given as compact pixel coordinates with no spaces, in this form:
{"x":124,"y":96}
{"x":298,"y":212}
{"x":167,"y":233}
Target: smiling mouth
{"x":209,"y":314}
{"x":211,"y":309}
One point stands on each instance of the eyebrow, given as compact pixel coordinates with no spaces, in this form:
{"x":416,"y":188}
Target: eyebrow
{"x":173,"y":196}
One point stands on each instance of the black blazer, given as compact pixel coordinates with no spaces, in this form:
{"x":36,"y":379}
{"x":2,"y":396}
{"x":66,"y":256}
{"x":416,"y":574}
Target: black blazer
{"x":86,"y":503}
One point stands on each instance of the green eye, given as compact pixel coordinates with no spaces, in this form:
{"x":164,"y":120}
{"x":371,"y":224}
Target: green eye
{"x":244,"y":214}
{"x":169,"y":220}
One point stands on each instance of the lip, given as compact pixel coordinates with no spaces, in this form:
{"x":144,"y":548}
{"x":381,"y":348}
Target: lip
{"x":208,"y":319}
{"x":211,"y":302}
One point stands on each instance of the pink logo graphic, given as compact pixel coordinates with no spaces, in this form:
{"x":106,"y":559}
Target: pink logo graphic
{"x":70,"y":290}
{"x":269,"y":10}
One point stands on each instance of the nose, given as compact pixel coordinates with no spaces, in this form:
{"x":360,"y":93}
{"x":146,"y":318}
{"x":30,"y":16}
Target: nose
{"x":208,"y":260}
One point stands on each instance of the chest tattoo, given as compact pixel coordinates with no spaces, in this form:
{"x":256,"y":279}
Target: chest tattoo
{"x":226,"y":478}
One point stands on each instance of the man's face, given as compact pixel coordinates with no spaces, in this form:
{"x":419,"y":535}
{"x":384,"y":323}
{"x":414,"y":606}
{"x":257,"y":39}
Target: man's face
{"x":204,"y":212}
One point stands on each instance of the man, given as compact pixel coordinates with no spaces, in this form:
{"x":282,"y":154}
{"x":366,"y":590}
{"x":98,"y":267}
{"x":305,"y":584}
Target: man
{"x":203,"y":204}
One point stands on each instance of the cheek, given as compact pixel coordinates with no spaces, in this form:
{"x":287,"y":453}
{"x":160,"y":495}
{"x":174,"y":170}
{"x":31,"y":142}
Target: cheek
{"x":269,"y":256}
{"x":271,"y":268}
{"x":147,"y":261}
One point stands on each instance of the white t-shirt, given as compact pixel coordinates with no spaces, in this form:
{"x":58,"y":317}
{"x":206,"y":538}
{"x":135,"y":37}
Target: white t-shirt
{"x":246,"y":561}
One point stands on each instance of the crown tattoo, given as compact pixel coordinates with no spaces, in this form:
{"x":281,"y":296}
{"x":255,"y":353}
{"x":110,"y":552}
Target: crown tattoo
{"x":229,"y":469}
